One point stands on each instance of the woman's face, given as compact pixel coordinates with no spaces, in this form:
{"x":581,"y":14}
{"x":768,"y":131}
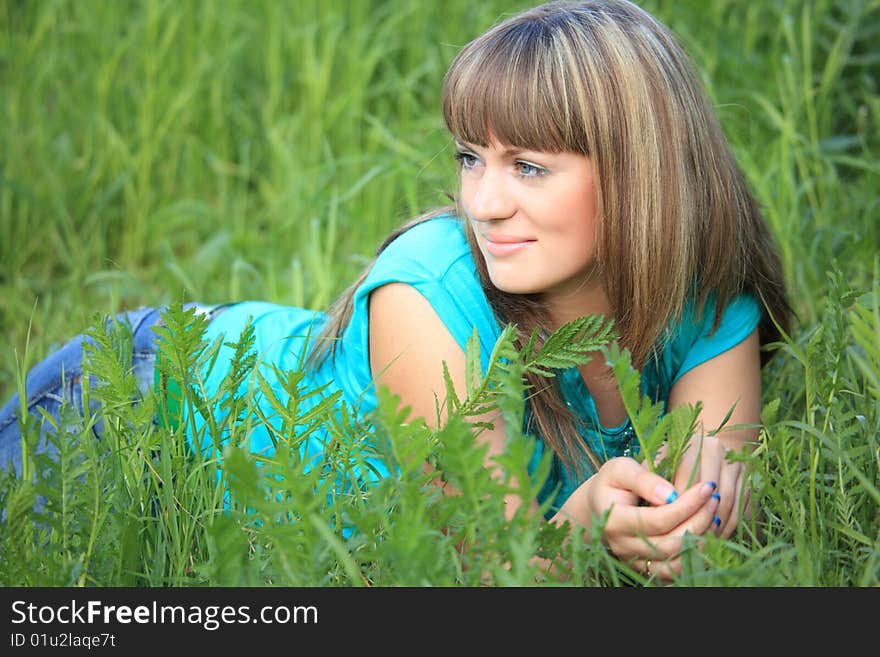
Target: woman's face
{"x":534,"y":217}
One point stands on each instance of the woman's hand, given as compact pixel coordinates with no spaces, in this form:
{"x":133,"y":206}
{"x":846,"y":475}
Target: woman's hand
{"x":706,"y":459}
{"x":728,"y":387}
{"x":647,"y":537}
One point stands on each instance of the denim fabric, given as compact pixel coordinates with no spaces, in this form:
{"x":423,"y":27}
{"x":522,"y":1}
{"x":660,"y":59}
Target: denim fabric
{"x":58,"y":379}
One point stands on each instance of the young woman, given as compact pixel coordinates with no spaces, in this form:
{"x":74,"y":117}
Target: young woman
{"x":594,"y":179}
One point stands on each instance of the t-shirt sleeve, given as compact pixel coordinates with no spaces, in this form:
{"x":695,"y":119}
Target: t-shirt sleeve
{"x":739,"y":319}
{"x":433,"y":258}
{"x":453,"y":294}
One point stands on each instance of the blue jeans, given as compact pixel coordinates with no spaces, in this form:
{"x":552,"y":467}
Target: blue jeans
{"x":58,"y":379}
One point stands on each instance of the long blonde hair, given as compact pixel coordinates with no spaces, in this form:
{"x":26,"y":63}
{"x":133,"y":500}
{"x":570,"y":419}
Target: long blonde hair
{"x":676,"y":219}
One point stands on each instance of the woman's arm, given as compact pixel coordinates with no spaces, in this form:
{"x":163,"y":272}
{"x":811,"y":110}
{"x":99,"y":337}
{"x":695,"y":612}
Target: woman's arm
{"x":732,"y":378}
{"x":408,"y":346}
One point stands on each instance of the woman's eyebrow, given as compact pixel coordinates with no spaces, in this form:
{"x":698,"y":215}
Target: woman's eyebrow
{"x":510,"y":151}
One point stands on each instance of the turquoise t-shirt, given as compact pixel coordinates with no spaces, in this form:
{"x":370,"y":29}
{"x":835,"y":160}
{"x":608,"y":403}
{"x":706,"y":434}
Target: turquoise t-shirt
{"x":435,"y":259}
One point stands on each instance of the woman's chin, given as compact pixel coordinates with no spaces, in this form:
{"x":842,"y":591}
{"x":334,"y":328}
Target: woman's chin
{"x":513,"y":285}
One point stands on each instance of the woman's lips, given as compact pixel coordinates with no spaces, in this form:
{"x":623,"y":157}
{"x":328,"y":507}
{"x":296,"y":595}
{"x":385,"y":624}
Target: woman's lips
{"x":503,"y":245}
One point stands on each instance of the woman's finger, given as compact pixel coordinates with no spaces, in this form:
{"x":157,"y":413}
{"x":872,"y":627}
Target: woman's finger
{"x":739,"y":505}
{"x":727,"y":491}
{"x":656,"y":531}
{"x":701,"y":461}
{"x":653,"y":570}
{"x":627,"y":474}
{"x":704,"y":520}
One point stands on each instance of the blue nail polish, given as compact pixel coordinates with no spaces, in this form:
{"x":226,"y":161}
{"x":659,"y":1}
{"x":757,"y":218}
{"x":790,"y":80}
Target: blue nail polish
{"x":716,"y":496}
{"x":713,"y":485}
{"x":716,"y":521}
{"x":672,"y":496}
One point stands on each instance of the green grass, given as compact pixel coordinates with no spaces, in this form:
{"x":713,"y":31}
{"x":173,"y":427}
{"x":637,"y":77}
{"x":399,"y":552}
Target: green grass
{"x":160,"y":152}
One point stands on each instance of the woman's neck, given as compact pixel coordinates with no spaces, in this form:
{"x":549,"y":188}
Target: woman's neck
{"x":588,"y":299}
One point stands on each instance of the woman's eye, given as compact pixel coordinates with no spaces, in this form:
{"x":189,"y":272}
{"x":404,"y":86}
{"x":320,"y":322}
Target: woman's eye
{"x":466,"y":160}
{"x":529,"y":170}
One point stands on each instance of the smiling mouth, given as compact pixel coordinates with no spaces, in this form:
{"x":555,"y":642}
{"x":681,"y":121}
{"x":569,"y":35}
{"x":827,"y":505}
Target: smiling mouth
{"x":506,"y":246}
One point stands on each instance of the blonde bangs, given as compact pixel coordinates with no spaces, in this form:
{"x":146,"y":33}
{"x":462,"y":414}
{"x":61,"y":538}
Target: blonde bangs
{"x":511,"y":85}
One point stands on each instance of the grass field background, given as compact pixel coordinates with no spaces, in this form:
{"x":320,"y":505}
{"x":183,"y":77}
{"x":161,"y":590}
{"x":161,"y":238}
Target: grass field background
{"x":160,"y":151}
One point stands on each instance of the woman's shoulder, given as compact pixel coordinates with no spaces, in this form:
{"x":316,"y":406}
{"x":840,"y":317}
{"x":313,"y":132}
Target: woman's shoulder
{"x":741,"y":312}
{"x":705,"y":332}
{"x":434,"y":258}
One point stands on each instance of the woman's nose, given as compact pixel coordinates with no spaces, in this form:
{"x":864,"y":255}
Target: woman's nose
{"x":490,"y":199}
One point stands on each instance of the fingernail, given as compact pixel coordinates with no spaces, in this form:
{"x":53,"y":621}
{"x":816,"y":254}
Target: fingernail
{"x":716,"y":496}
{"x":663,"y":491}
{"x":716,"y":521}
{"x":713,"y":485}
{"x":707,"y":489}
